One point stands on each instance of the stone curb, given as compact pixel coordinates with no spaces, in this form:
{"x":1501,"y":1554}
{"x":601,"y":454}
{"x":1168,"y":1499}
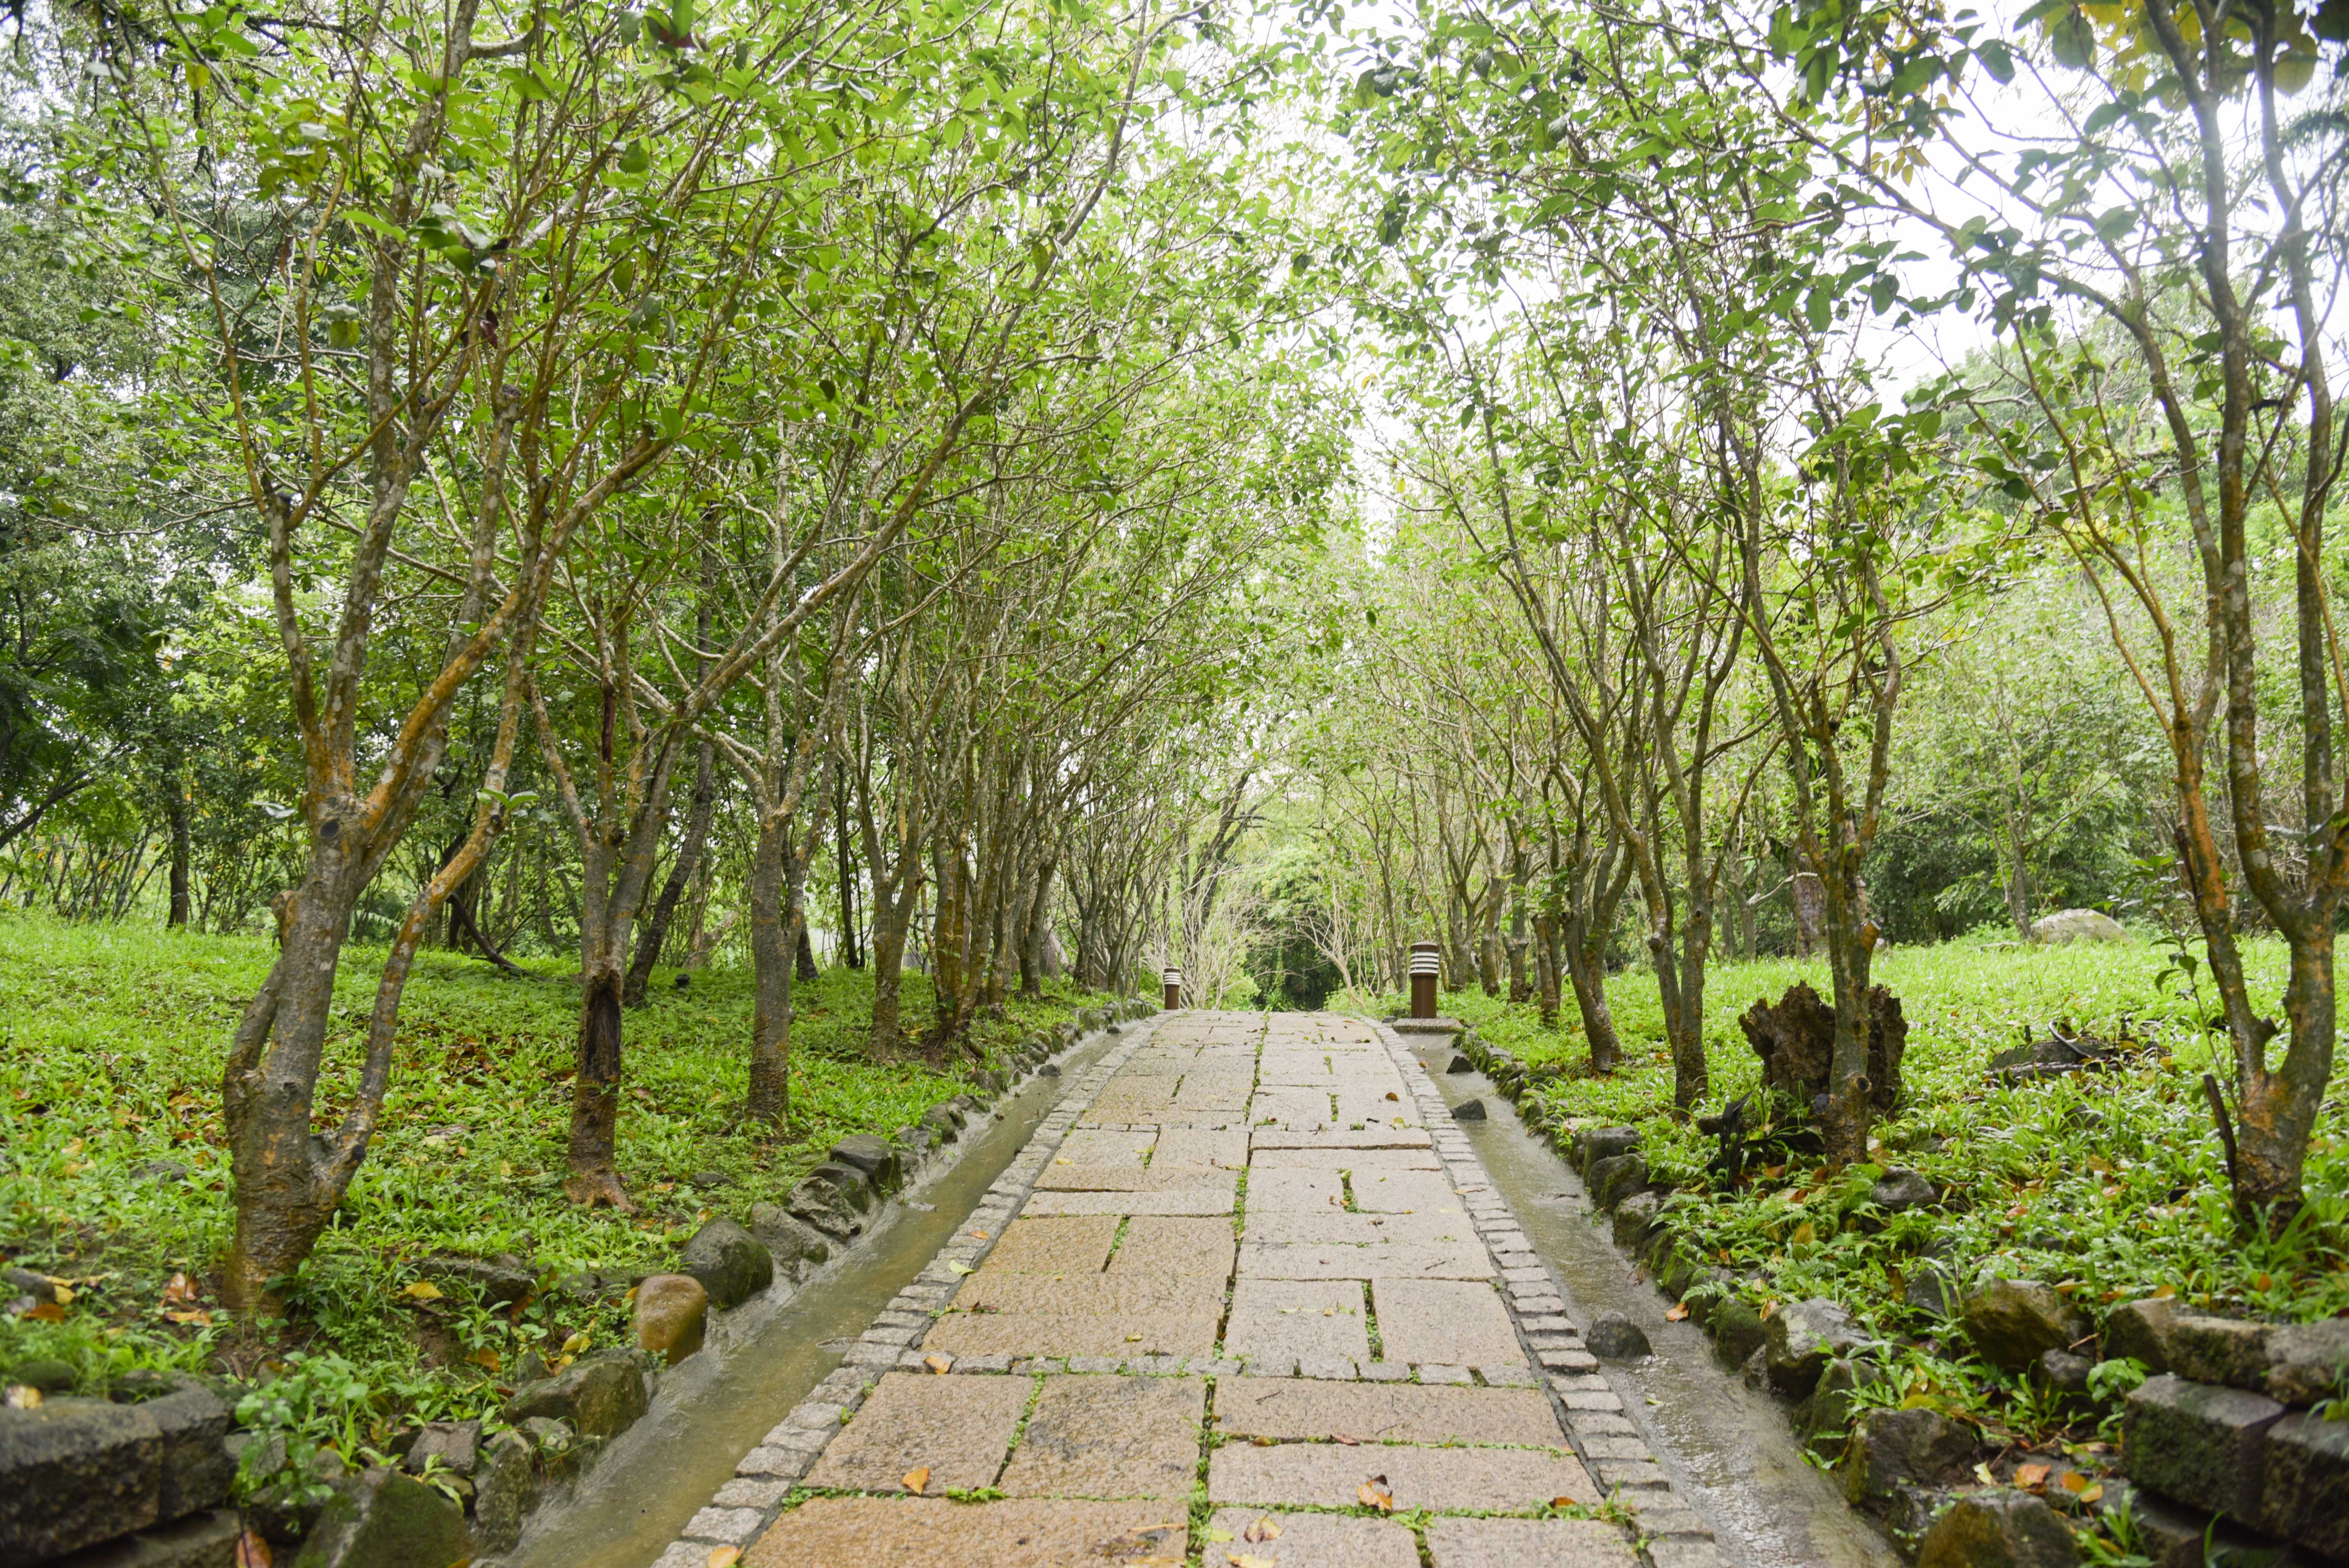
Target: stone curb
{"x":1604,"y":1439}
{"x":744,"y":1507}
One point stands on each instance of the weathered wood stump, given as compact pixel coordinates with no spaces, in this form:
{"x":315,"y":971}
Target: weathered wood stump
{"x":1794,"y":1037}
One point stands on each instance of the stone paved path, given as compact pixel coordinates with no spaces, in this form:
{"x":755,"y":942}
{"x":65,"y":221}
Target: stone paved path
{"x":1246,"y":1299}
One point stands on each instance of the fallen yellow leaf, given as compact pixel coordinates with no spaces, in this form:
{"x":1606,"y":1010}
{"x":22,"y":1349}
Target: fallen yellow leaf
{"x":1373,"y":1494}
{"x":21,"y":1397}
{"x":1250,"y":1560}
{"x":938,"y":1363}
{"x":1676,"y":1312}
{"x":576,"y":1343}
{"x":722,"y":1557}
{"x":2073,"y":1481}
{"x":64,"y":1293}
{"x":2031,"y":1478}
{"x":485,"y":1358}
{"x":916,"y":1479}
{"x":422,"y":1290}
{"x":1264,"y":1528}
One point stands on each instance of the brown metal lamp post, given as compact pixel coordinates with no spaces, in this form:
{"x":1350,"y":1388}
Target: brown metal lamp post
{"x":1426,"y":963}
{"x":1173,"y":979}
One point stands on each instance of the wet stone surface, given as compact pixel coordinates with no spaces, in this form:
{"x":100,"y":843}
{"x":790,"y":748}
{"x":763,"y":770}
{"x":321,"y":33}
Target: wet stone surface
{"x":1263,"y":1226}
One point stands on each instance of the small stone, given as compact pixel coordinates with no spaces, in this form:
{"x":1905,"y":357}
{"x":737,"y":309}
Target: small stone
{"x":456,"y":1444}
{"x":2198,"y":1443}
{"x":505,"y":1488}
{"x":710,"y":1180}
{"x":1469,"y":1110}
{"x":1901,"y":1190}
{"x":1999,"y":1529}
{"x":2062,"y":1374}
{"x":2139,"y":1331}
{"x":1931,"y":1290}
{"x":1615,"y":1337}
{"x":1616,"y":1178}
{"x":873,"y":1156}
{"x":1635,"y":1216}
{"x":46,"y":1373}
{"x":731,"y":1263}
{"x":501,"y":1281}
{"x":162,"y":1172}
{"x":381,"y":1519}
{"x":2010,"y":1322}
{"x":1459,"y":1064}
{"x":1605,"y":1143}
{"x":670,"y":1316}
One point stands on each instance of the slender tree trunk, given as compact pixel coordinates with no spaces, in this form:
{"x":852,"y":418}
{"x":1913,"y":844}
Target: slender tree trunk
{"x":771,"y":961}
{"x":1585,"y":969}
{"x":851,"y":953}
{"x":1546,"y":967}
{"x":680,"y":872}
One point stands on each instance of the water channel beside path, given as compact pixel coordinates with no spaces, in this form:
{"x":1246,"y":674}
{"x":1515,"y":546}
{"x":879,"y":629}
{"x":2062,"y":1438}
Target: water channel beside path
{"x":1727,"y":1447}
{"x":667,"y":1466}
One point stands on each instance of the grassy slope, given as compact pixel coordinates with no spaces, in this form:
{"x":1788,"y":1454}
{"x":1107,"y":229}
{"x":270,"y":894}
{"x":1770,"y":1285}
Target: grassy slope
{"x":2111,"y":1185}
{"x":112,"y":1041}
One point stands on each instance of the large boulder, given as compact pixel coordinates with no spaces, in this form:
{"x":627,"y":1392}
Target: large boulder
{"x":381,"y":1519}
{"x":602,"y":1394}
{"x":73,"y":1472}
{"x":1802,"y":1336}
{"x":1999,"y":1529}
{"x":670,"y":1317}
{"x":2078,"y":926}
{"x":2010,"y":1322}
{"x":728,"y":1261}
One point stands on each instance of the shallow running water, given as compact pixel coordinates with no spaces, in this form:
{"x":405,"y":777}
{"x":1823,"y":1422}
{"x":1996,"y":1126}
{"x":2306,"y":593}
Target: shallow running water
{"x":663,"y":1468}
{"x":1726,"y":1447}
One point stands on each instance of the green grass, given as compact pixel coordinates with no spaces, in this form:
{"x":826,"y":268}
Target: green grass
{"x":112,"y":1043}
{"x":2110,"y":1186}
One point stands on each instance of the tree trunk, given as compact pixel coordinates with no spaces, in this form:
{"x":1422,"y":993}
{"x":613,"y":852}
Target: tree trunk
{"x":769,"y":1098}
{"x":851,"y":953}
{"x":888,"y":975}
{"x":175,"y":810}
{"x":1586,"y":968}
{"x":596,"y":1090}
{"x":1545,"y":966}
{"x":680,"y":872}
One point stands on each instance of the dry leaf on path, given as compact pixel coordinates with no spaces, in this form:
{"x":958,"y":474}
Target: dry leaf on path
{"x":1264,"y":1528}
{"x":46,"y":1312}
{"x":2031,"y":1478}
{"x":21,"y":1397}
{"x":1373,"y":1494}
{"x":722,"y":1557}
{"x":917,"y":1478}
{"x":1342,"y":1438}
{"x":422,"y":1290}
{"x":1250,"y":1560}
{"x":938,"y":1363}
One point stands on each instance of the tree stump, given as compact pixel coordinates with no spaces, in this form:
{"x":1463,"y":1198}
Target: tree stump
{"x":1794,"y":1037}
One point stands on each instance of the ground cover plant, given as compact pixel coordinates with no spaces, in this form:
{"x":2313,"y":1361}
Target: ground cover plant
{"x":112,"y":1176}
{"x":2110,"y":1186}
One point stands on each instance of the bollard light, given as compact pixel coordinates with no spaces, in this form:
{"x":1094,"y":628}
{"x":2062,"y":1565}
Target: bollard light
{"x":1426,"y":964}
{"x":1173,"y":979}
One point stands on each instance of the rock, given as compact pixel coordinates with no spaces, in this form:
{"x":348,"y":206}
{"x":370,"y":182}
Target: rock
{"x":206,"y":1540}
{"x":195,"y":1469}
{"x":942,"y":1121}
{"x":2010,"y":1322}
{"x":1999,"y":1529}
{"x":25,"y":1282}
{"x":162,"y":1172}
{"x":1892,"y":1449}
{"x":381,"y":1519}
{"x":1634,"y":1217}
{"x":1468,"y":1110}
{"x":1736,"y":1328}
{"x":1615,"y":1337}
{"x":505,"y":1488}
{"x":1605,"y":1143}
{"x":456,"y":1444}
{"x":1802,"y":1336}
{"x":48,"y":1374}
{"x":670,"y":1316}
{"x":503,"y":1282}
{"x":1824,"y":1419}
{"x":74,"y":1472}
{"x":1932,"y":1290}
{"x":728,"y":1261}
{"x":588,"y":1286}
{"x":871,"y":1155}
{"x":2198,"y":1444}
{"x":1460,"y":1064}
{"x":834,"y":1199}
{"x":2304,"y":1492}
{"x":2306,"y":1360}
{"x":1616,"y":1178}
{"x":2078,"y":926}
{"x":990,"y":1080}
{"x":563,"y":1454}
{"x":2139,"y":1331}
{"x":2223,"y":1350}
{"x":2062,"y":1374}
{"x":788,"y":1241}
{"x":708,"y":1180}
{"x":601,"y":1395}
{"x":1901,"y":1190}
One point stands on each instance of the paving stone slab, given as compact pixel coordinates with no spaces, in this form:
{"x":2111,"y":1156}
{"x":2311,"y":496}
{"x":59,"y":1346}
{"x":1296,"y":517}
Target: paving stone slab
{"x":1527,"y":1543}
{"x":1454,"y":1321}
{"x":1131,"y":1179}
{"x":1293,"y":1192}
{"x":1110,"y":1437}
{"x":1330,"y":1475}
{"x":1175,"y":1244}
{"x":1190,"y":1149}
{"x":1396,"y":1260}
{"x":959,"y":1427}
{"x":1405,"y":1192}
{"x":934,"y":1532}
{"x":1384,"y":1412}
{"x":1197,"y":1200}
{"x":1091,"y":1295}
{"x":1346,"y":1159}
{"x":1093,"y":1146}
{"x":1291,"y":1225}
{"x":1350,"y":1137}
{"x":1308,"y":1541}
{"x":1072,"y":1334}
{"x":1292,"y":1319}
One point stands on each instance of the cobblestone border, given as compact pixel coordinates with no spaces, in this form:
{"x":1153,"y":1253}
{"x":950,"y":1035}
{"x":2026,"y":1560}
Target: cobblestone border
{"x":1604,"y":1439}
{"x":744,"y":1507}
